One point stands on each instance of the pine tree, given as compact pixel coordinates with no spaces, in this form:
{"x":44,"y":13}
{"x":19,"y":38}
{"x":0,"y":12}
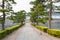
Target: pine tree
{"x":38,"y":12}
{"x":4,"y":10}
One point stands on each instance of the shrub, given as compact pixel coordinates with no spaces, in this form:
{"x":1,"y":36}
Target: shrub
{"x":54,"y":32}
{"x":8,"y":30}
{"x":2,"y":33}
{"x":42,"y":28}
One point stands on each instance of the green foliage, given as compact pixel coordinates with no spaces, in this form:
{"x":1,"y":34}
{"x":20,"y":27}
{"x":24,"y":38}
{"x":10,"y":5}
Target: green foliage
{"x":9,"y":2}
{"x":38,"y":13}
{"x":8,"y":30}
{"x":42,"y":28}
{"x":5,"y":10}
{"x":12,"y":1}
{"x":54,"y":32}
{"x":18,"y":17}
{"x":36,"y":2}
{"x":33,"y":17}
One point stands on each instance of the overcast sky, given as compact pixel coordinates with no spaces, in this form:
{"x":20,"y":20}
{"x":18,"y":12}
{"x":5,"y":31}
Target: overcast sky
{"x":24,"y":5}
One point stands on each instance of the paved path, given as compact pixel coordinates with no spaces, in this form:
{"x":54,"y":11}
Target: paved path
{"x":28,"y":32}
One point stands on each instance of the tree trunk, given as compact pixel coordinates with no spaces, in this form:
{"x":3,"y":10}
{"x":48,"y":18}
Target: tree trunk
{"x":3,"y":19}
{"x":37,"y":23}
{"x":50,"y":14}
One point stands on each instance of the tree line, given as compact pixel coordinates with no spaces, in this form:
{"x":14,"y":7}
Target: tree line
{"x":39,"y":13}
{"x":6,"y":9}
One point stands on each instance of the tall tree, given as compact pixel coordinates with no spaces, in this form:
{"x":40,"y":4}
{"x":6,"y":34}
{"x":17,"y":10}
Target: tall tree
{"x":38,"y":11}
{"x":50,"y":14}
{"x":18,"y":17}
{"x":4,"y":10}
{"x":3,"y":19}
{"x":51,"y":9}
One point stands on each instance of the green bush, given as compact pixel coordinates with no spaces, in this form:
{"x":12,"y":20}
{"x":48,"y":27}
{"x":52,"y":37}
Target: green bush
{"x":8,"y":30}
{"x":2,"y":33}
{"x":53,"y":32}
{"x":42,"y":28}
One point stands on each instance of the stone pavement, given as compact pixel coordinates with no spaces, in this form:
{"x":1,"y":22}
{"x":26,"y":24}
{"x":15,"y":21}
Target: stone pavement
{"x":28,"y":32}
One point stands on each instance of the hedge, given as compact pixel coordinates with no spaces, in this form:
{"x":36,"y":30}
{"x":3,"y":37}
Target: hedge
{"x":54,"y":32}
{"x":8,"y":30}
{"x":42,"y":28}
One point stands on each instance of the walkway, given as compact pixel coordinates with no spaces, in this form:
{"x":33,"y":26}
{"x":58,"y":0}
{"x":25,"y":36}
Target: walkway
{"x":28,"y":32}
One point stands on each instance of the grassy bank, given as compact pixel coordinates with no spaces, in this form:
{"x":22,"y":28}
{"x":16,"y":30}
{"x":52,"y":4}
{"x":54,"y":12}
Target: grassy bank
{"x":53,"y":32}
{"x":8,"y":30}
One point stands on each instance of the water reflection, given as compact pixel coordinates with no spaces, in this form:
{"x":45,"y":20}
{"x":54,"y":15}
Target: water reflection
{"x":54,"y":24}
